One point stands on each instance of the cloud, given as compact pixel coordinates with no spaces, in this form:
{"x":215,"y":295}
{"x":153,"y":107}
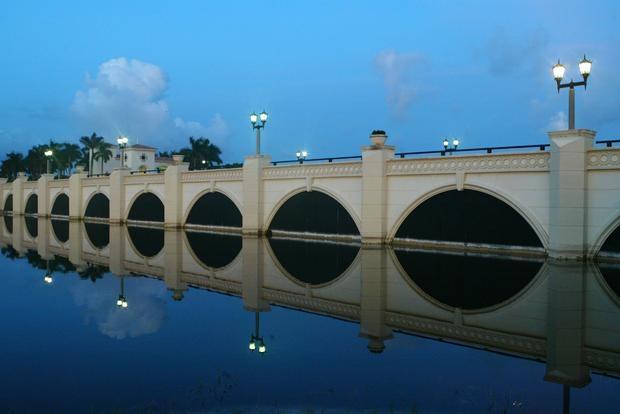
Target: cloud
{"x":126,"y":97}
{"x":505,"y":54}
{"x":396,"y":69}
{"x":558,"y":122}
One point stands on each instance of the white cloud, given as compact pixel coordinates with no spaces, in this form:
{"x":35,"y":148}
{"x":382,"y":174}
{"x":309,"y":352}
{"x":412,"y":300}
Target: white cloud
{"x":396,"y":69}
{"x":558,"y":122}
{"x":216,"y":129}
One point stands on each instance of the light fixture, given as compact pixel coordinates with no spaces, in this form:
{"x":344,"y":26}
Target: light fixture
{"x":558,"y":72}
{"x":255,"y":125}
{"x":48,"y":278}
{"x":455,"y":143}
{"x":263,"y":116}
{"x":253,"y":118}
{"x":252,"y":344}
{"x":446,"y":143}
{"x":262,"y":348}
{"x":48,"y":153}
{"x":585,"y":67}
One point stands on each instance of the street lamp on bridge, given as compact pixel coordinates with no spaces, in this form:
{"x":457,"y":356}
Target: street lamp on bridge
{"x":446,"y":144}
{"x":258,"y":126}
{"x":122,"y":144}
{"x":48,"y":156}
{"x":121,"y":302}
{"x":256,"y":341}
{"x":585,"y":66}
{"x":301,"y":156}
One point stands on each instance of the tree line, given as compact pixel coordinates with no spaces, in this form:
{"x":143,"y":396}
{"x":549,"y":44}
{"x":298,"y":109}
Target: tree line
{"x":200,"y":154}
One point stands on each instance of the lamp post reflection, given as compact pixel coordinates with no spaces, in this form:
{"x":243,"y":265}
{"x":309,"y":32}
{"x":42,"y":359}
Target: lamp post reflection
{"x":48,"y":273}
{"x":121,"y":302}
{"x":256,"y":341}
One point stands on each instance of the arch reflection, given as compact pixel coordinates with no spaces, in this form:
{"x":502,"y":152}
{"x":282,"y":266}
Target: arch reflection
{"x":98,"y":234}
{"x":611,"y":274}
{"x":8,"y":222}
{"x":61,"y":230}
{"x":313,"y":262}
{"x":465,"y":281}
{"x":8,"y":203}
{"x":147,"y":241}
{"x":32,"y":226}
{"x":214,"y":250}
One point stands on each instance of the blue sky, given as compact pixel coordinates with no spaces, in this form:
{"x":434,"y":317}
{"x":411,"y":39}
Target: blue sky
{"x":328,"y":72}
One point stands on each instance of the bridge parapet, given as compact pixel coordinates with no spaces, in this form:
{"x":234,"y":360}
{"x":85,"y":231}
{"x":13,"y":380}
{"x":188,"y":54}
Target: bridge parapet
{"x":340,"y":169}
{"x":604,"y":159}
{"x":227,"y":174}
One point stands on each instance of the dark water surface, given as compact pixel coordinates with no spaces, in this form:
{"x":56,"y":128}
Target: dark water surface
{"x":345,"y":329}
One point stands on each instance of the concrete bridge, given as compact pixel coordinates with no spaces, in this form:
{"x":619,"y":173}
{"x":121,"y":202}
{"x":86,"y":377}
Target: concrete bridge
{"x":564,"y":313}
{"x":564,"y":202}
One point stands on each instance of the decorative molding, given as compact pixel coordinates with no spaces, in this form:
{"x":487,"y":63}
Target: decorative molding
{"x":517,"y":343}
{"x":604,"y":159}
{"x":63,"y":183}
{"x":144,"y":179}
{"x":531,"y":161}
{"x":329,"y":307}
{"x":603,"y":360}
{"x":340,"y":169}
{"x":94,"y":181}
{"x":224,"y":174}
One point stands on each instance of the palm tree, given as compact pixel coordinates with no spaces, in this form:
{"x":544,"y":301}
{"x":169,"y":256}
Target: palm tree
{"x":201,"y":149}
{"x":68,"y":154}
{"x":104,"y":153}
{"x":13,"y":164}
{"x":36,"y":161}
{"x":91,"y":143}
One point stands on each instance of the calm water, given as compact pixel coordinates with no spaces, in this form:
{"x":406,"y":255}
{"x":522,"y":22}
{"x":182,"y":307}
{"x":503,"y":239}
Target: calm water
{"x":345,"y":329}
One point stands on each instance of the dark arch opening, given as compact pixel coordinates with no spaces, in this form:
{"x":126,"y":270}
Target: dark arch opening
{"x":98,"y":206}
{"x":313,"y":262}
{"x":8,"y":222}
{"x":612,"y":244}
{"x":468,"y":216}
{"x":32,"y":204}
{"x":8,"y":203}
{"x":465,"y":281}
{"x":214,"y":209}
{"x":98,"y":234}
{"x":147,"y":207}
{"x":611,"y":274}
{"x":314,"y":212}
{"x":61,"y":205}
{"x":61,"y":230}
{"x":32,"y":226}
{"x":214,"y":250}
{"x":147,"y":241}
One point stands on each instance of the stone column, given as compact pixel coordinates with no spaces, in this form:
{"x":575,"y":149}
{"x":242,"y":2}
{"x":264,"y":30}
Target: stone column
{"x":373,"y":299}
{"x":566,"y":324}
{"x":117,"y":250}
{"x":18,"y":194}
{"x":173,"y":197}
{"x":43,"y":195}
{"x":253,"y":252}
{"x":567,"y":193}
{"x":173,"y":263}
{"x":117,"y":195}
{"x":76,"y":239}
{"x":253,"y":215}
{"x":75,"y":195}
{"x":18,"y":235}
{"x":374,"y":189}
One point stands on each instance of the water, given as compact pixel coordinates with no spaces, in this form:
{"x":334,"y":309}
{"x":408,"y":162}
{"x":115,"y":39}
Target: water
{"x":345,"y":329}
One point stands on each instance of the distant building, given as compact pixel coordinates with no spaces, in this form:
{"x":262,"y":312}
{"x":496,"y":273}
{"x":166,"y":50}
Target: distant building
{"x":138,"y":157}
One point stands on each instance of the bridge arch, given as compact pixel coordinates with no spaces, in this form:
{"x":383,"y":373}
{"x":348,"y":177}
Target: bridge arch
{"x":97,"y":206}
{"x":146,"y":206}
{"x":213,"y":250}
{"x":97,"y":234}
{"x":32,"y":226}
{"x":8,"y":222}
{"x":220,"y":207}
{"x":514,"y":212}
{"x":609,"y":239}
{"x":8,"y":203}
{"x":60,"y":230}
{"x":32,"y":204}
{"x":353,"y":227}
{"x":60,"y":205}
{"x":147,"y":242}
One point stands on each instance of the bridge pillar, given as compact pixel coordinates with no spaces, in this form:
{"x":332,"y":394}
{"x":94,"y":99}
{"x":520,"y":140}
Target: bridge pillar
{"x":43,"y":237}
{"x":374,"y":191}
{"x":374,"y":298}
{"x":18,"y":194}
{"x":567,"y":192}
{"x":253,"y":252}
{"x":17,"y":238}
{"x":253,"y":219}
{"x":117,"y":250}
{"x":173,"y":196}
{"x":75,"y":246}
{"x":75,"y":196}
{"x":566,"y":324}
{"x":173,"y":263}
{"x":43,"y":201}
{"x":117,"y":195}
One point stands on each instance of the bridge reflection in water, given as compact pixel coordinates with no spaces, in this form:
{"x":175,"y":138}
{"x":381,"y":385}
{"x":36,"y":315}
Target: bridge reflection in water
{"x":565,"y":314}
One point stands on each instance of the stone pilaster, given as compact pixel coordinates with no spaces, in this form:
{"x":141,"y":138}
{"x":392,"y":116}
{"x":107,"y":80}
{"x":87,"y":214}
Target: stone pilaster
{"x":253,"y":252}
{"x":117,"y":249}
{"x":117,"y":195}
{"x":43,"y":195}
{"x":76,"y":239}
{"x":173,"y":263}
{"x":374,"y":190}
{"x":567,"y":193}
{"x":253,"y":214}
{"x":173,"y":197}
{"x":75,"y":196}
{"x":18,"y":194}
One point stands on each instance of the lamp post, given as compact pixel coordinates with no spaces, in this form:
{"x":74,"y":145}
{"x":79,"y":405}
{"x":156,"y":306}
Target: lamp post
{"x":121,"y":302}
{"x":122,"y":144}
{"x":255,"y":339}
{"x":48,"y":156}
{"x":204,"y":164}
{"x":258,"y":126}
{"x":301,"y":156}
{"x":446,"y":144}
{"x":585,"y":66}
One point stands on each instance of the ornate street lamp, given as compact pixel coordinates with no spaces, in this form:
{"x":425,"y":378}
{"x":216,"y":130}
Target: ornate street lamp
{"x":121,"y":302}
{"x":446,"y":145}
{"x":258,"y":126}
{"x":256,"y":341}
{"x":48,"y":156}
{"x":301,"y":156}
{"x":585,"y":66}
{"x":122,"y":144}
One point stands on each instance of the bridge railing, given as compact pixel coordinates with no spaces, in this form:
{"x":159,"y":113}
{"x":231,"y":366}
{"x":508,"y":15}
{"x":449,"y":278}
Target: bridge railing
{"x":609,"y":142}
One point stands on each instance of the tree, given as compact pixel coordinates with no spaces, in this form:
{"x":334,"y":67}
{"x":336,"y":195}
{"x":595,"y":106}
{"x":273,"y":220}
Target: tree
{"x":91,"y":143}
{"x":36,"y":161}
{"x":201,"y":149}
{"x":103,"y":153}
{"x":12,"y":164}
{"x":66,"y":155}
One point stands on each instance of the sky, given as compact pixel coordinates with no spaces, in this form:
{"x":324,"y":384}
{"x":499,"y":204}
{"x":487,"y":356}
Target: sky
{"x":327,"y":72}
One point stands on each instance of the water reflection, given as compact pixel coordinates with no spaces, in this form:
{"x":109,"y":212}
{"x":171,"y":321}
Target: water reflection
{"x":61,"y":230}
{"x":8,"y":222}
{"x":566,"y":315}
{"x":32,"y":226}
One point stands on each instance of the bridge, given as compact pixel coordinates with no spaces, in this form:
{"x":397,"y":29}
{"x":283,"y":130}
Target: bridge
{"x":561,"y":200}
{"x":564,"y":313}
